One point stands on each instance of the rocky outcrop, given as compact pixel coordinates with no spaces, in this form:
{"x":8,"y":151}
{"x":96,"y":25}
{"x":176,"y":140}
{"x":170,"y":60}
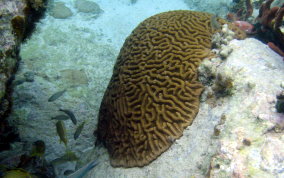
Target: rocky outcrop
{"x":17,"y":22}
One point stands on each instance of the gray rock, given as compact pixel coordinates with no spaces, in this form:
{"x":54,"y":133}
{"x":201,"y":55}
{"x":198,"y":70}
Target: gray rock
{"x":74,"y":77}
{"x":250,"y":140}
{"x":88,"y":6}
{"x":60,"y":11}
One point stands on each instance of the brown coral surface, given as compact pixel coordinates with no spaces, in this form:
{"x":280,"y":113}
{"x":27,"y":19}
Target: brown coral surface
{"x":154,"y":92}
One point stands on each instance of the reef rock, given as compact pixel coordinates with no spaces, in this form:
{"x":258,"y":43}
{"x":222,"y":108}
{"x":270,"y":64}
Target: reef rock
{"x":251,"y":137}
{"x":16,"y":23}
{"x":9,"y":46}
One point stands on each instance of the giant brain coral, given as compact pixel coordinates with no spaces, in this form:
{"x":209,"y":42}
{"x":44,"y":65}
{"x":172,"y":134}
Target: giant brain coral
{"x":154,"y":92}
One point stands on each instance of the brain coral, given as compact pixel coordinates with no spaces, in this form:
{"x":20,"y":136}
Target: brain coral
{"x":154,"y":92}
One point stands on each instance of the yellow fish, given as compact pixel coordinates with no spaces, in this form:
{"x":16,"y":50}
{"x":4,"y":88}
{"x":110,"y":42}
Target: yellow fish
{"x":61,"y":131}
{"x":17,"y":173}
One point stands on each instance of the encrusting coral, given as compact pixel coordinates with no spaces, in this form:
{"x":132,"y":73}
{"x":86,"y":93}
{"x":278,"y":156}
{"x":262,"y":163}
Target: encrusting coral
{"x":154,"y":92}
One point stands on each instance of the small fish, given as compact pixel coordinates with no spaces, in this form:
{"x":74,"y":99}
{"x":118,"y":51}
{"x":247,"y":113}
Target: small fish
{"x":38,"y":148}
{"x":215,"y":25}
{"x":60,"y":117}
{"x":17,"y":172}
{"x":245,"y":26}
{"x":56,"y":95}
{"x":70,"y":114}
{"x":68,"y":156}
{"x":80,"y":173}
{"x":61,"y":131}
{"x":68,"y":172}
{"x":79,"y":130}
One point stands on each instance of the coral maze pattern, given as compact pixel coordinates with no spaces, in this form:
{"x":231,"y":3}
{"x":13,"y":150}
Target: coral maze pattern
{"x":154,"y":93}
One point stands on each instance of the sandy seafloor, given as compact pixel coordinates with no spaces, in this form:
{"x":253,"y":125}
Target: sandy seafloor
{"x":78,"y":54}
